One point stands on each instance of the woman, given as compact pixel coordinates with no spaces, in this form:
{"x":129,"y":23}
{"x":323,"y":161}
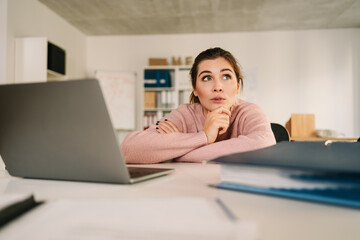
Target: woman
{"x":215,"y":122}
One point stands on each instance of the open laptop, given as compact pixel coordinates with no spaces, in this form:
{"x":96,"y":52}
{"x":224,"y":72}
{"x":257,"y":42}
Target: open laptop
{"x":63,"y":131}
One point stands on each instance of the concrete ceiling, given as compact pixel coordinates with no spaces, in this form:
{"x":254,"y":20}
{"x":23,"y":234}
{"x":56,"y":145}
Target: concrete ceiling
{"x":129,"y":17}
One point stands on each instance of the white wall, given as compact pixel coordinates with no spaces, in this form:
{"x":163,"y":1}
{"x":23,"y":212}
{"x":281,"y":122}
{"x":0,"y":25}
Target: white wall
{"x":3,"y":34}
{"x":356,"y":66}
{"x":30,"y":18}
{"x":311,"y":71}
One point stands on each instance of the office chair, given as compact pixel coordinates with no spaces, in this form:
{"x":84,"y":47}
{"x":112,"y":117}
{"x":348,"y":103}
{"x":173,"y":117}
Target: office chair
{"x":280,"y":132}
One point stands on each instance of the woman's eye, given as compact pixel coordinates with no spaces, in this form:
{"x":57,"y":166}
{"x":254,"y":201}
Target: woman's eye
{"x":226,"y":77}
{"x":206,"y":78}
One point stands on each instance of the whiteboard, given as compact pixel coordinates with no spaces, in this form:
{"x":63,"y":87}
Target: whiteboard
{"x":119,"y":93}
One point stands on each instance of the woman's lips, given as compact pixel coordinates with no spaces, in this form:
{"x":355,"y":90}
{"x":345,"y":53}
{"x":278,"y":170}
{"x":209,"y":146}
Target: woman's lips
{"x":217,"y":99}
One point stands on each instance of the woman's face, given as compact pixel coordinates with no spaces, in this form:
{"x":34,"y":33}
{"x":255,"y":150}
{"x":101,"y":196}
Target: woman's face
{"x":216,"y":84}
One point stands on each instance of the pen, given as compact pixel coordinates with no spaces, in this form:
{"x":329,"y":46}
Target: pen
{"x":226,"y":210}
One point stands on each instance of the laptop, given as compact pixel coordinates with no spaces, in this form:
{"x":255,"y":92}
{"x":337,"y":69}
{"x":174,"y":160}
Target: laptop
{"x":63,"y":131}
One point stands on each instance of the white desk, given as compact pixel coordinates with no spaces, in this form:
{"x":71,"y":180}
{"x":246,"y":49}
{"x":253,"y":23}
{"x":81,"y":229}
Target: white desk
{"x":276,"y":218}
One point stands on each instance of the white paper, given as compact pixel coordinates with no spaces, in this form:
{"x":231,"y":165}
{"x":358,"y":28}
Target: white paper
{"x":180,"y":218}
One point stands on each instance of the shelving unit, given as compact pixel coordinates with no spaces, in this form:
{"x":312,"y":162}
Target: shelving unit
{"x":158,"y":101}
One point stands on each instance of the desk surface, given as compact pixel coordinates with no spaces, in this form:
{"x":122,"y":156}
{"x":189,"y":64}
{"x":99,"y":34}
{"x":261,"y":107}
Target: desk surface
{"x":276,"y":218}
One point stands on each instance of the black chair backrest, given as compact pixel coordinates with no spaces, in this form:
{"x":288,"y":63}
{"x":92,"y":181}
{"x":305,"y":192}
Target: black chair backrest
{"x":280,"y":132}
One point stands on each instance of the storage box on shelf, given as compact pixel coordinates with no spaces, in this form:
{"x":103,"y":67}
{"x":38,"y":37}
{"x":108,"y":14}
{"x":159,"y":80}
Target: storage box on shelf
{"x":165,"y":88}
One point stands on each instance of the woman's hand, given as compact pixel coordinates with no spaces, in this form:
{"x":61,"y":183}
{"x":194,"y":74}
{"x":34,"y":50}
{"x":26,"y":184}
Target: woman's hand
{"x":166,"y":127}
{"x":216,"y":123}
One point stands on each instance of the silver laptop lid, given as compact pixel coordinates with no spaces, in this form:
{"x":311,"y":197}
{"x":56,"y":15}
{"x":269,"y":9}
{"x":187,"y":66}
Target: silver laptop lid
{"x":59,"y":130}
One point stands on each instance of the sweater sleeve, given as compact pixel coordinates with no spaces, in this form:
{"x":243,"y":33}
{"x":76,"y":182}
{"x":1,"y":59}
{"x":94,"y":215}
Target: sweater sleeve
{"x":149,"y":146}
{"x":255,"y":131}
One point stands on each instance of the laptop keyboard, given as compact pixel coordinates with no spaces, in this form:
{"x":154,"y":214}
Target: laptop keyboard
{"x":136,"y":172}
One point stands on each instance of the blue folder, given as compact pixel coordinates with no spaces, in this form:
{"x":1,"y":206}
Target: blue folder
{"x":157,"y":79}
{"x":336,"y":164}
{"x":346,"y":197}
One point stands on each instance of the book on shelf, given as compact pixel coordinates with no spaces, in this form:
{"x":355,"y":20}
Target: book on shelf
{"x":168,"y":99}
{"x":150,"y":118}
{"x":310,"y":171}
{"x":157,"y":100}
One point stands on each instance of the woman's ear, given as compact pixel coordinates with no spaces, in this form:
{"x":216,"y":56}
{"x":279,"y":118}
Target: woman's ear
{"x":195,"y":93}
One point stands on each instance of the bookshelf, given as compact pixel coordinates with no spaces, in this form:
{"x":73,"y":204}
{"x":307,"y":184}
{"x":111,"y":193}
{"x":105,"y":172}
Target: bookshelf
{"x":165,"y":88}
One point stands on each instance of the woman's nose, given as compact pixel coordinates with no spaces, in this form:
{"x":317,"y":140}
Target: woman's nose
{"x":217,"y":86}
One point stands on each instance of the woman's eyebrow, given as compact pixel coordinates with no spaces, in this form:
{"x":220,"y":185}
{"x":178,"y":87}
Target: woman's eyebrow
{"x":222,"y":70}
{"x":205,"y":71}
{"x":226,"y":69}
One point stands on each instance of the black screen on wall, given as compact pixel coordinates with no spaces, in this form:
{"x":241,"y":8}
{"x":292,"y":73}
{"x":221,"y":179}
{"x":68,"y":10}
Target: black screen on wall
{"x":56,"y":58}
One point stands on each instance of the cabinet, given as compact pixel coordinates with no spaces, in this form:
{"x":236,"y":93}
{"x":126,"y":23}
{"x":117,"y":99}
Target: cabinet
{"x":31,"y":56}
{"x":165,"y":88}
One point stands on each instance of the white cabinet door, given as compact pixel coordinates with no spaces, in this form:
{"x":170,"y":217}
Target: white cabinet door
{"x":30,"y":59}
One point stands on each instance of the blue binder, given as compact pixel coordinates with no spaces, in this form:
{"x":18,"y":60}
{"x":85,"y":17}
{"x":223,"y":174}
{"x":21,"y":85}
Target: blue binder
{"x":336,"y":167}
{"x":157,"y":79}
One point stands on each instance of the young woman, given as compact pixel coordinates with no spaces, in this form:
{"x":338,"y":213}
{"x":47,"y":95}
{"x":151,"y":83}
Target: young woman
{"x":215,"y":122}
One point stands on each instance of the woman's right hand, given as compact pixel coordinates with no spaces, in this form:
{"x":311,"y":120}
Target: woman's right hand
{"x":216,"y":123}
{"x":166,"y":127}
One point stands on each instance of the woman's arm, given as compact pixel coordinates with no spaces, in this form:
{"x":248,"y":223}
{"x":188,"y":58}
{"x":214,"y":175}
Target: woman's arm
{"x":255,"y":131}
{"x":243,"y":143}
{"x":153,"y":145}
{"x":150,"y":146}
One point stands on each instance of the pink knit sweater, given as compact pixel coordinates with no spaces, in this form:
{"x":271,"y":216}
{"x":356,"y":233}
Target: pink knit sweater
{"x":249,"y":130}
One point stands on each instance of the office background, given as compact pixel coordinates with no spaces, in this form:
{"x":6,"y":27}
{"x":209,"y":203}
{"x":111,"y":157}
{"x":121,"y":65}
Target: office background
{"x":289,"y":71}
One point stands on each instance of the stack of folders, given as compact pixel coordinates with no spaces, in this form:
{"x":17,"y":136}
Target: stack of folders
{"x":310,"y":171}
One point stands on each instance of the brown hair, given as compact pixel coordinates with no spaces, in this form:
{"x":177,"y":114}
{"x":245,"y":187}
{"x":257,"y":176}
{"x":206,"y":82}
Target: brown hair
{"x":210,"y":54}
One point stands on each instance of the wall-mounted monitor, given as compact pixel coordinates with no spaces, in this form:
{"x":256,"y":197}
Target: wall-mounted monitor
{"x":56,"y":60}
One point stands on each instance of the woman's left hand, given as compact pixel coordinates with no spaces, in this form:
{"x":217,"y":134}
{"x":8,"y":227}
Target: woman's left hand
{"x":166,"y":127}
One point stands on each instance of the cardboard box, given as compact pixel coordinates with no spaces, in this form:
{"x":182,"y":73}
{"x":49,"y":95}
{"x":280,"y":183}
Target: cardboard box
{"x":150,"y":100}
{"x":301,"y":125}
{"x":158,"y":62}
